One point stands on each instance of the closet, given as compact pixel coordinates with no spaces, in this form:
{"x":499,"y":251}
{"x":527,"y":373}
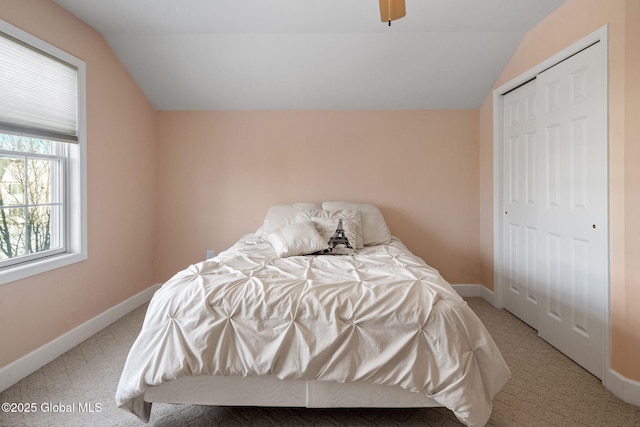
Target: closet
{"x":554,"y":253}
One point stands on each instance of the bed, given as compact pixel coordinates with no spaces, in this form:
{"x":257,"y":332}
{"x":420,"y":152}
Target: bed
{"x":320,"y":307}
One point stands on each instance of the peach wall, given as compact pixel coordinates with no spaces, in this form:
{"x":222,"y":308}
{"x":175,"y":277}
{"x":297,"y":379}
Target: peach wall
{"x":568,"y":24}
{"x":627,"y":346}
{"x":218,"y":172}
{"x":121,"y":194}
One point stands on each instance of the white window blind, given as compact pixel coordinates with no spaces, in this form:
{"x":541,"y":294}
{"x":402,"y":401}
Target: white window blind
{"x":38,"y":93}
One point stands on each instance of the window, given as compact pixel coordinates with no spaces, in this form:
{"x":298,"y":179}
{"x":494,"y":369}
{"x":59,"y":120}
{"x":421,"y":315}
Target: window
{"x":31,"y":198}
{"x":42,"y":156}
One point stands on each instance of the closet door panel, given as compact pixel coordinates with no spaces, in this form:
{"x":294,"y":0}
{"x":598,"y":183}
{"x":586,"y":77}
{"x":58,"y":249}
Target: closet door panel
{"x":520,"y":203}
{"x":573,"y":182}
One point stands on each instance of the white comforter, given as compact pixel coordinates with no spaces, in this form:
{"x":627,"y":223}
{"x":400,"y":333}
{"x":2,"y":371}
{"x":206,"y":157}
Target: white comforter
{"x":382,"y":316}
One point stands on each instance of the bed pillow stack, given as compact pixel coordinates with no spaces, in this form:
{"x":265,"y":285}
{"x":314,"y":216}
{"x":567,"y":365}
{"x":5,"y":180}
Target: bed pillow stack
{"x":340,"y":228}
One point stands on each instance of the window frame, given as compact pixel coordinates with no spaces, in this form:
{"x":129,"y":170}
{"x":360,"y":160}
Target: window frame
{"x":75,"y":179}
{"x":59,"y":156}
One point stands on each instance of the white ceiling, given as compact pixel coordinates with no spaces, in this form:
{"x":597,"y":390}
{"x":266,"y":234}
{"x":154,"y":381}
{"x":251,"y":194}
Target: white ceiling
{"x":312,"y":54}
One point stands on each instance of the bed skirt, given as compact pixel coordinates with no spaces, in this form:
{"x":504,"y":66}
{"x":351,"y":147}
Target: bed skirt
{"x":272,"y":391}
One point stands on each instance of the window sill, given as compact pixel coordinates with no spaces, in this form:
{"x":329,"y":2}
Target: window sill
{"x":17,"y":272}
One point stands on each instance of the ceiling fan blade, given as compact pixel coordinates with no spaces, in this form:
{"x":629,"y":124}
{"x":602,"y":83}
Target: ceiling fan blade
{"x":390,"y":10}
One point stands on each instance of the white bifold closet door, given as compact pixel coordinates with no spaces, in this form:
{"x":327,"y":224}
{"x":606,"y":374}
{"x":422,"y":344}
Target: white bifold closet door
{"x":554,"y":199}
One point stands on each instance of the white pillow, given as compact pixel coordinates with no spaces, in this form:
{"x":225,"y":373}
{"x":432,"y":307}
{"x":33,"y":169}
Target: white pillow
{"x":353,"y":216}
{"x":280,"y":215}
{"x":374,"y":228}
{"x":297,"y":239}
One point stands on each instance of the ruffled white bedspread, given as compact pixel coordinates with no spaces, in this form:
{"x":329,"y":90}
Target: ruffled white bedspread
{"x":382,"y":316}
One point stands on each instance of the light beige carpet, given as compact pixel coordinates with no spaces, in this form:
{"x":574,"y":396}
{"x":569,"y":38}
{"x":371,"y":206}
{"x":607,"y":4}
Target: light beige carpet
{"x":546,"y":389}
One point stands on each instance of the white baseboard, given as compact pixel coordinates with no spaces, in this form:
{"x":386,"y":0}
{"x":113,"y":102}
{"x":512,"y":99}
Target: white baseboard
{"x":475,"y":291}
{"x":28,"y":364}
{"x":622,"y":387}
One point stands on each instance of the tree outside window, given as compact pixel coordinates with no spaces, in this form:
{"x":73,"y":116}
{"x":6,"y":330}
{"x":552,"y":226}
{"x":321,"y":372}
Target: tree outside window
{"x":28,"y":202}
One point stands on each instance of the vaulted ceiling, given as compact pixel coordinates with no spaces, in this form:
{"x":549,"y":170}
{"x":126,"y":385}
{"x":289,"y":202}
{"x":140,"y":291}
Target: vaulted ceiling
{"x":312,"y":54}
